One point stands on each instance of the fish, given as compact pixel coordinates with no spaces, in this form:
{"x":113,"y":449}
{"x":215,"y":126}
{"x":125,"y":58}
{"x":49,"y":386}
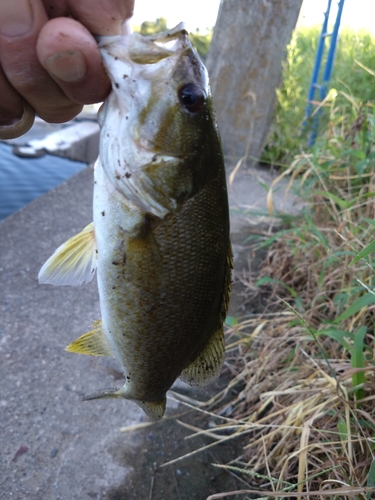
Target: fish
{"x":159,"y":241}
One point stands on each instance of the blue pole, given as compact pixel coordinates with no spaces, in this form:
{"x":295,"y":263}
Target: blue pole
{"x":314,"y":85}
{"x":318,"y":62}
{"x":331,"y":53}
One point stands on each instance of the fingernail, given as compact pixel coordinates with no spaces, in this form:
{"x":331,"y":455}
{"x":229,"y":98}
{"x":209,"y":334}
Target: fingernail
{"x":16,"y":17}
{"x":67,"y":66}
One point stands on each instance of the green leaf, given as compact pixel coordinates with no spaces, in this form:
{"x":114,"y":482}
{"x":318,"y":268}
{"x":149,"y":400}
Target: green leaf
{"x":323,"y":240}
{"x":364,"y":253}
{"x":342,"y":203}
{"x":360,"y":166}
{"x":369,"y":221}
{"x":338,"y":335}
{"x":371,"y":475}
{"x":366,"y":300}
{"x":358,"y":360}
{"x":371,"y":479}
{"x":231,"y":321}
{"x":343,"y":430}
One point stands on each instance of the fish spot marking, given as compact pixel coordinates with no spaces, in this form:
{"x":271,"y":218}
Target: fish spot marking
{"x":117,"y":85}
{"x":103,"y":213}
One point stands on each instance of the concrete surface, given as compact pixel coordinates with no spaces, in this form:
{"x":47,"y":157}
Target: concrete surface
{"x":52,"y":445}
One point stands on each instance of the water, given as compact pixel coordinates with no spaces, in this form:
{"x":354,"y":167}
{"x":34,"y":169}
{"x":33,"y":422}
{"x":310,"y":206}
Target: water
{"x":24,"y":179}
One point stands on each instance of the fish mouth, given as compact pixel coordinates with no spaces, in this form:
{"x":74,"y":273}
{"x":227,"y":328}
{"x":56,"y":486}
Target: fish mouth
{"x":149,"y":49}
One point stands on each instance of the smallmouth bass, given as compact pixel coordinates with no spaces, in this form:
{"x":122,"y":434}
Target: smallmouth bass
{"x":159,"y":241}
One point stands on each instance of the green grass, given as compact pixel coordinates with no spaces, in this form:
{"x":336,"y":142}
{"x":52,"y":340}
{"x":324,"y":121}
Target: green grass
{"x":349,"y":81}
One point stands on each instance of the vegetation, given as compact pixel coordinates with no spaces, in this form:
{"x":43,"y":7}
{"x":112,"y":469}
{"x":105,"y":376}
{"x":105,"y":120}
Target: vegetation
{"x":355,"y":51}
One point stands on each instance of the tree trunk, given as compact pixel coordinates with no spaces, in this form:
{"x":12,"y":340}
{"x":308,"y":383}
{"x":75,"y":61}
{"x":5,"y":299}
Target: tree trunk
{"x":245,"y":64}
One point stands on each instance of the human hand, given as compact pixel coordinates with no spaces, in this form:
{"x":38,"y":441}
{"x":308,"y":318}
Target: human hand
{"x":49,"y":59}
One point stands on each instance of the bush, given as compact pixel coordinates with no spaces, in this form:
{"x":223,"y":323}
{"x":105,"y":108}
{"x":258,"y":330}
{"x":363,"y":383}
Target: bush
{"x":350,"y":80}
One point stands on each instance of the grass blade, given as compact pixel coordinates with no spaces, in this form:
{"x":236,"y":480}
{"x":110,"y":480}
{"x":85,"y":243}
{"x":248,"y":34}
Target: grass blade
{"x":364,"y":253}
{"x":366,"y":300}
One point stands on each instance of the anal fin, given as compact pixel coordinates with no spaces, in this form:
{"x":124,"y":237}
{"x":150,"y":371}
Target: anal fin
{"x":92,"y":343}
{"x":207,"y":365}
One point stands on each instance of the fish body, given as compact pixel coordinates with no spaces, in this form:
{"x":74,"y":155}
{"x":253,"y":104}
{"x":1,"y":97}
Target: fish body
{"x":160,"y":236}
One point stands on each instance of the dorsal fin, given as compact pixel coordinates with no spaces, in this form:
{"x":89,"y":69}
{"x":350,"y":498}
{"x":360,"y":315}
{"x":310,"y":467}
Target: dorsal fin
{"x":74,"y":262}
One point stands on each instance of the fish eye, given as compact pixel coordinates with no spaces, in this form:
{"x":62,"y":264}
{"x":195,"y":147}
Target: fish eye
{"x":191,"y":97}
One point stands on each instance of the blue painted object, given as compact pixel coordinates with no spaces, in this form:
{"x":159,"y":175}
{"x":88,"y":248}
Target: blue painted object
{"x":323,"y":86}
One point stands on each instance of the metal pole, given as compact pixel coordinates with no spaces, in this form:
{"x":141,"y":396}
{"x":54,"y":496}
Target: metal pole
{"x":318,"y":62}
{"x":331,"y":52}
{"x":314,"y":85}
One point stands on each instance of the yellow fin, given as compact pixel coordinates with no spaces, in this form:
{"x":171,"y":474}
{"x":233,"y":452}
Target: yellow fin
{"x":92,"y":343}
{"x":74,"y":262}
{"x":207,"y":365}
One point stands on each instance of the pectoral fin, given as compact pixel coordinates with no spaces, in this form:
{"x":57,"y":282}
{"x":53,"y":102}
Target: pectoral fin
{"x":207,"y":365}
{"x":74,"y":262}
{"x":93,"y":343}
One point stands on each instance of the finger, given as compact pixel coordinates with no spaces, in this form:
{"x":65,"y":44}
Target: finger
{"x":70,"y":54}
{"x":16,"y":116}
{"x":102,"y":17}
{"x":20,"y":23}
{"x":56,"y":8}
{"x":21,"y":126}
{"x":11,"y":107}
